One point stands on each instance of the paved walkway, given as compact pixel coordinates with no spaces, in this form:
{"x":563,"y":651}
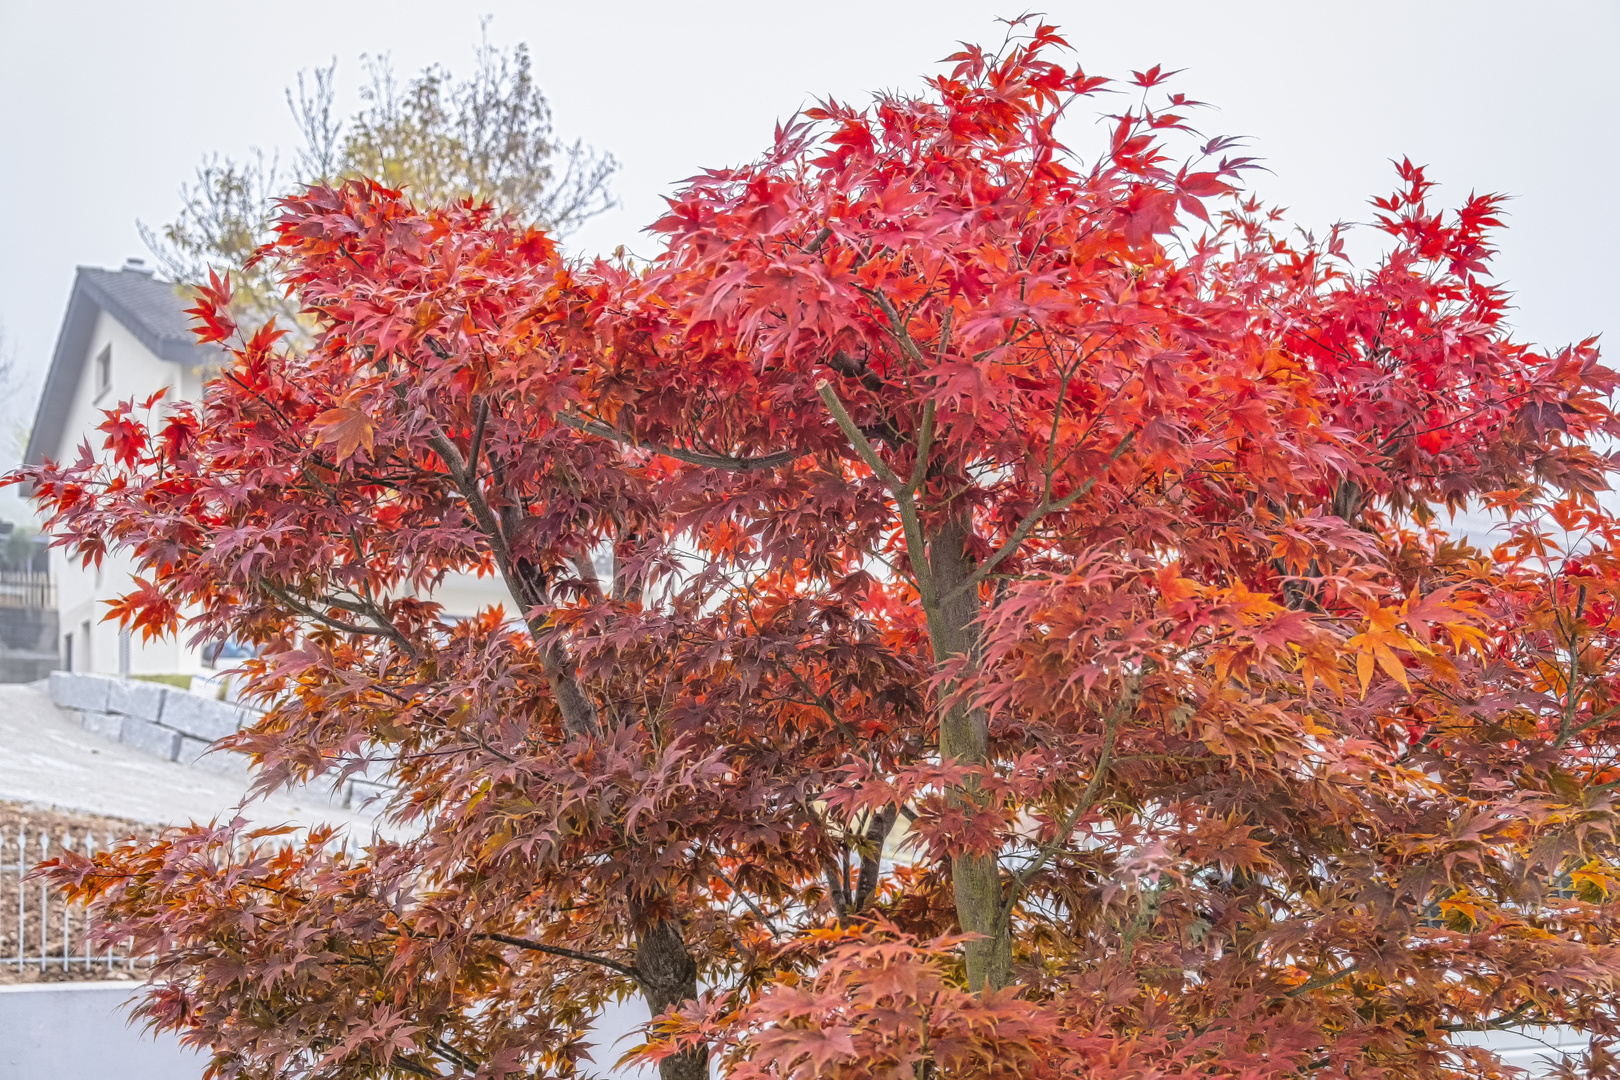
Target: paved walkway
{"x":48,"y":759}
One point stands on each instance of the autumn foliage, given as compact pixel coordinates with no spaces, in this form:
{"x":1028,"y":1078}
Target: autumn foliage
{"x":976,"y":612}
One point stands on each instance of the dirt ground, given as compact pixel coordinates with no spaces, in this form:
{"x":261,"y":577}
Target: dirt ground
{"x":33,"y":821}
{"x":57,"y":821}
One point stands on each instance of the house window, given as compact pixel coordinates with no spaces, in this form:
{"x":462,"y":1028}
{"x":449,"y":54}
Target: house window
{"x":103,"y":370}
{"x":123,"y":652}
{"x":67,"y":652}
{"x":84,"y":641}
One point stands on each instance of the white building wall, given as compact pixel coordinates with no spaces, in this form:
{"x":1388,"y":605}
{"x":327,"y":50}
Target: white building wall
{"x":82,"y":592}
{"x":465,"y":595}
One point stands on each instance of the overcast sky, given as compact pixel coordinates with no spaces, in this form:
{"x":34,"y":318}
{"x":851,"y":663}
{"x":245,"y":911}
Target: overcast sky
{"x":106,"y":107}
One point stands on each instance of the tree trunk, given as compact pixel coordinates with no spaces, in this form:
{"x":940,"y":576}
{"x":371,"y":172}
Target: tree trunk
{"x":668,"y":977}
{"x":964,"y":736}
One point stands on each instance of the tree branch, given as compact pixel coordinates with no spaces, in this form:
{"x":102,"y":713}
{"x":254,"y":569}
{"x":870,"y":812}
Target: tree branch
{"x":925,"y":444}
{"x":476,"y":447}
{"x":1322,"y":981}
{"x":1516,"y":1018}
{"x":410,"y":1066}
{"x":309,"y":612}
{"x":1580,"y":729}
{"x":877,"y":834}
{"x":916,"y":548}
{"x":557,"y":950}
{"x":1105,"y":760}
{"x":897,"y":326}
{"x":578,"y":711}
{"x":1027,"y":526}
{"x":708,"y":461}
{"x":744,"y":897}
{"x":451,"y":1054}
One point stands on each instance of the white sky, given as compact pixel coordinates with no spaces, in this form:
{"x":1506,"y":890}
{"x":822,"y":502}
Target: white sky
{"x":106,"y":106}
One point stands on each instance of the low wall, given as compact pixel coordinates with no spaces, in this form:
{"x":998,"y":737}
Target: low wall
{"x":164,"y":721}
{"x":173,"y":724}
{"x":29,"y":629}
{"x":28,"y":644}
{"x":80,"y":1031}
{"x":20,"y":666}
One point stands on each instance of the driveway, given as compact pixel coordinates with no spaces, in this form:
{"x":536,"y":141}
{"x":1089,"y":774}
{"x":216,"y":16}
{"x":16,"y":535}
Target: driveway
{"x":46,"y":758}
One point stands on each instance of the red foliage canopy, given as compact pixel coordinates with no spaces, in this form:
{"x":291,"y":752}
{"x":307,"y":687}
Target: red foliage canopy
{"x":1067,"y":532}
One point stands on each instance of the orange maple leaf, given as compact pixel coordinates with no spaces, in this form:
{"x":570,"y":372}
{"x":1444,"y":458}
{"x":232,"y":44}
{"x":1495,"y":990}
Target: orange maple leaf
{"x":347,"y":427}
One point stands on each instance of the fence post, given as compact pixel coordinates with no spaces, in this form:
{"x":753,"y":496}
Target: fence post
{"x":33,"y":848}
{"x":44,"y":899}
{"x":89,"y":853}
{"x":22,"y":893}
{"x":67,"y":911}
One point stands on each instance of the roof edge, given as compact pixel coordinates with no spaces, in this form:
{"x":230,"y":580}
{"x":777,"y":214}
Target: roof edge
{"x":72,"y":339}
{"x":174,"y":349}
{"x":85,"y":301}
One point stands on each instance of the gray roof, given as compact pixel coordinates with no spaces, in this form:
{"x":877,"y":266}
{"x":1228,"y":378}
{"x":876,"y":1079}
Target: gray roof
{"x":150,"y":309}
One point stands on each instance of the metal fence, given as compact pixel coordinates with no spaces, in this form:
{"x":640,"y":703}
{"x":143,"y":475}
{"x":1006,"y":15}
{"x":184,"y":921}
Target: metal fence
{"x":27,"y":589}
{"x":39,"y":930}
{"x":41,"y":934}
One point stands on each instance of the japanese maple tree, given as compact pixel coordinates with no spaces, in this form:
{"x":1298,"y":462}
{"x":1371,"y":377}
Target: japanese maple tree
{"x":975,"y":612}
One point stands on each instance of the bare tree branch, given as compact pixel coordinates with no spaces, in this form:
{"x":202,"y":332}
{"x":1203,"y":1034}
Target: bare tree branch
{"x":558,"y":950}
{"x":711,"y":461}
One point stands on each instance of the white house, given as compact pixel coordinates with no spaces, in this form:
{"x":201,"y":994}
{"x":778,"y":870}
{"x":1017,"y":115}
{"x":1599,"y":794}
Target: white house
{"x":125,"y":335}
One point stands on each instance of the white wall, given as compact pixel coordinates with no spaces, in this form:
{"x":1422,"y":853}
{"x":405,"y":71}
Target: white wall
{"x":135,"y":373}
{"x":79,"y":1031}
{"x":465,"y":595}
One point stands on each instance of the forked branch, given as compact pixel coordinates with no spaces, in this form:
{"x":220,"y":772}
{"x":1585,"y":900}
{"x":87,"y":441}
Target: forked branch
{"x":1047,"y":505}
{"x":916,"y":547}
{"x":1123,"y":707}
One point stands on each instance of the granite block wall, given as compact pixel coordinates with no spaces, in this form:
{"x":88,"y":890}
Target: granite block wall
{"x":175,"y":725}
{"x":164,"y":721}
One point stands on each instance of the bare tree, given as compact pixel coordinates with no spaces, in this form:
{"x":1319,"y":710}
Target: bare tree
{"x":16,"y":424}
{"x":225,"y":213}
{"x":8,"y":359}
{"x":488,"y":136}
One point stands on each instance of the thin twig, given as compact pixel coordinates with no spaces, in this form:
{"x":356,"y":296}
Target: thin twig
{"x":1025,"y":527}
{"x":755,"y":908}
{"x":1322,"y":981}
{"x":309,"y":612}
{"x":1126,"y":704}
